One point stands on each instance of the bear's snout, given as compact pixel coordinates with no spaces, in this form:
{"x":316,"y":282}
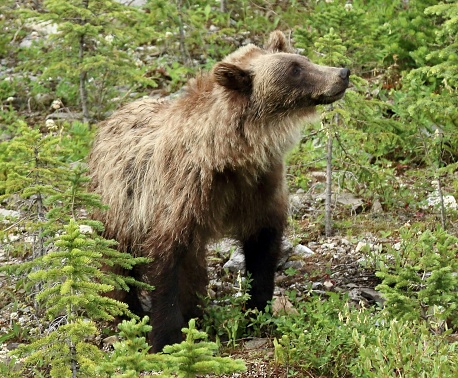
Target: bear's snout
{"x":345,"y":75}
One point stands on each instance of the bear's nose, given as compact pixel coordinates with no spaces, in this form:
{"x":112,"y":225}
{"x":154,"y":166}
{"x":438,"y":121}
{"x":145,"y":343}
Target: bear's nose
{"x":344,"y":73}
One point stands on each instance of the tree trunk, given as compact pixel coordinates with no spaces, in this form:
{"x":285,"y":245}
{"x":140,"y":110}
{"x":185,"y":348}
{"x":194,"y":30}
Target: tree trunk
{"x":83,"y":81}
{"x":442,"y":206}
{"x":328,"y":203}
{"x":83,"y":73}
{"x":183,"y":50}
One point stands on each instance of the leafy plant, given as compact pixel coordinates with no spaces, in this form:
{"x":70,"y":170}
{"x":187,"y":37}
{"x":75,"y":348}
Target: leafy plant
{"x":319,"y":337}
{"x":408,"y":350}
{"x":229,"y":321}
{"x":419,"y":280}
{"x":34,"y":173}
{"x":192,"y":357}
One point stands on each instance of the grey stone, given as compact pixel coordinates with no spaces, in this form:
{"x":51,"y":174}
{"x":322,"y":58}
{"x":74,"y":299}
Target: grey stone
{"x":302,"y":250}
{"x":236,"y":262}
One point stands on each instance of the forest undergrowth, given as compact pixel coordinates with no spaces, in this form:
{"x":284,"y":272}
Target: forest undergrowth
{"x":390,"y":227}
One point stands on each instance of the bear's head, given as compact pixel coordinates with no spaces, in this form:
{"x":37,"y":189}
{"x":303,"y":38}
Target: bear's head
{"x":275,"y":80}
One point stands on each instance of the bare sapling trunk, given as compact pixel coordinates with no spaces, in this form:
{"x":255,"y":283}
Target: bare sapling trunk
{"x":441,"y":202}
{"x":82,"y":84}
{"x":184,"y":52}
{"x":328,"y":197}
{"x":83,"y":73}
{"x":439,"y":136}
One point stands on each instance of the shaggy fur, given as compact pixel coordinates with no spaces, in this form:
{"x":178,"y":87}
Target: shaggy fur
{"x":177,"y":174}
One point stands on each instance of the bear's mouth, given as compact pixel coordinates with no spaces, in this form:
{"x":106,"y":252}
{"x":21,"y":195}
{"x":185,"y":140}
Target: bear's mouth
{"x":329,"y":99}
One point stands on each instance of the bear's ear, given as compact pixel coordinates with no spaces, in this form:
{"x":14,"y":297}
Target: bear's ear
{"x":232,"y":77}
{"x":278,"y":43}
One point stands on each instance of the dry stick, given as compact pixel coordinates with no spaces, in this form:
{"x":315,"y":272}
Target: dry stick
{"x":185,"y":56}
{"x":328,"y":197}
{"x":441,"y":199}
{"x":439,"y":184}
{"x":223,"y":6}
{"x":83,"y":74}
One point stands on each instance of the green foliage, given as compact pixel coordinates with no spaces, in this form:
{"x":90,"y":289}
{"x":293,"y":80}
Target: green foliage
{"x":190,"y":358}
{"x":89,"y":50}
{"x":76,"y":138}
{"x":31,"y":161}
{"x":47,"y":190}
{"x":419,"y":280}
{"x":334,"y":339}
{"x":374,"y":33}
{"x":404,"y":350}
{"x":319,"y":337}
{"x":72,"y":278}
{"x":34,"y":173}
{"x":65,"y":350}
{"x":130,"y":356}
{"x":428,"y":97}
{"x":6,"y":28}
{"x":67,"y":202}
{"x":8,"y":369}
{"x":229,"y":322}
{"x":72,"y":283}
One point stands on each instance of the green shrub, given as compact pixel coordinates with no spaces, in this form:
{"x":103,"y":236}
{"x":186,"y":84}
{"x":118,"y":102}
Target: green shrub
{"x":196,"y":356}
{"x":404,"y":349}
{"x":319,"y":337}
{"x":419,"y":280}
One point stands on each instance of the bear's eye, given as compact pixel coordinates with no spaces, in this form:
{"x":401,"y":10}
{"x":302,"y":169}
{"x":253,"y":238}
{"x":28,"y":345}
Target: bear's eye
{"x":296,"y":70}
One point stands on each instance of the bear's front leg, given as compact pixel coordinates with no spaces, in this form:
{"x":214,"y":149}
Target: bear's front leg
{"x":162,"y":304}
{"x":262,"y":251}
{"x":166,"y":317}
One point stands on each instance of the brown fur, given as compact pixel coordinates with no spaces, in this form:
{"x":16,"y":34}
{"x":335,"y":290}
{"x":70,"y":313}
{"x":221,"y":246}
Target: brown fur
{"x":176,"y":174}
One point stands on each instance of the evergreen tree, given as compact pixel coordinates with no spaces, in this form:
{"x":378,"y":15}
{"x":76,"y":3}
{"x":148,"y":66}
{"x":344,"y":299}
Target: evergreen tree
{"x":72,"y":286}
{"x":67,"y":267}
{"x":190,"y":358}
{"x":93,"y":49}
{"x":34,"y":172}
{"x":130,"y":357}
{"x":430,"y":91}
{"x":428,"y":98}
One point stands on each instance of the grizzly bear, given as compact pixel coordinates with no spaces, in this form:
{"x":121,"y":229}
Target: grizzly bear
{"x":179,"y":173}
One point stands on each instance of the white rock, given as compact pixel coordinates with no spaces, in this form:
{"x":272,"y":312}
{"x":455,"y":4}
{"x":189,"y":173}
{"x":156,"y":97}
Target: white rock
{"x":362,"y":245}
{"x":85,"y":229}
{"x":303,"y":250}
{"x":282,"y":306}
{"x":345,"y":242}
{"x":9,"y":213}
{"x":134,"y":3}
{"x":237,"y":261}
{"x":434,"y":201}
{"x":328,"y":284}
